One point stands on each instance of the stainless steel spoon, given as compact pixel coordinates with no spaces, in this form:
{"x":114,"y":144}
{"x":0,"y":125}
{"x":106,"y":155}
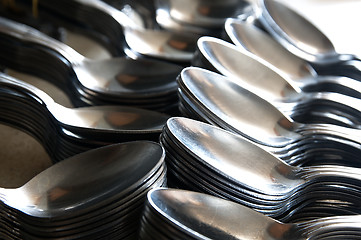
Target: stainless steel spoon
{"x":298,"y":34}
{"x":206,"y":14}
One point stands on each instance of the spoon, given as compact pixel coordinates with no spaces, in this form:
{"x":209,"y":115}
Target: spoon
{"x":297,"y":34}
{"x":165,"y":45}
{"x":231,"y":106}
{"x":261,"y":78}
{"x":196,"y":215}
{"x":251,"y":38}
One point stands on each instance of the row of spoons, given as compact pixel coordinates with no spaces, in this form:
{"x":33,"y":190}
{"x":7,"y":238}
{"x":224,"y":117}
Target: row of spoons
{"x":181,"y":214}
{"x":140,"y":83}
{"x":67,"y":131}
{"x":219,"y":100}
{"x":98,"y":194}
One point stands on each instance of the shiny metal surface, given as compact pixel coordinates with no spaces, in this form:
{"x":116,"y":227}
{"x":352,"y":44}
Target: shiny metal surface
{"x":202,"y":13}
{"x":299,"y":71}
{"x":209,"y":217}
{"x":263,"y":79}
{"x":297,"y":34}
{"x":121,"y":27}
{"x":63,"y":201}
{"x":236,"y":157}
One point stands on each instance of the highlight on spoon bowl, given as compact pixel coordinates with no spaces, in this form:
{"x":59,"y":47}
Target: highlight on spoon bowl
{"x":298,"y":34}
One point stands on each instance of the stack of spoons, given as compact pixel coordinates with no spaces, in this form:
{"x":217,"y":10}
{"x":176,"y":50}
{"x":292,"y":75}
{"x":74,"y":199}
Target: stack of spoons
{"x":205,"y":158}
{"x":341,"y":106}
{"x":98,"y":194}
{"x":66,"y":131}
{"x":219,"y":100}
{"x":180,"y":214}
{"x":139,"y":83}
{"x":127,"y":34}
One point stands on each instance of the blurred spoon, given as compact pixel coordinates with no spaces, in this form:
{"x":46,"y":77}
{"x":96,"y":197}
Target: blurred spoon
{"x":177,"y":47}
{"x":298,"y":34}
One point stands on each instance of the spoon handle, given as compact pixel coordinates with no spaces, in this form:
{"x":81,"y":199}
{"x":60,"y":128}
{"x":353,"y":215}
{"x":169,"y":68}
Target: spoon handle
{"x":315,"y":228}
{"x":350,"y":68}
{"x":341,"y":175}
{"x":350,"y":134}
{"x":28,"y":34}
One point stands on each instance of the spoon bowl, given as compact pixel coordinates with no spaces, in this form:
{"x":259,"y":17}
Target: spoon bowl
{"x":298,"y":34}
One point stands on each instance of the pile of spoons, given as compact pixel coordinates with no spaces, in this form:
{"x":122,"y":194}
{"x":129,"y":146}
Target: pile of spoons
{"x":142,"y":83}
{"x":221,"y":101}
{"x":123,"y":32}
{"x":263,"y":79}
{"x":67,"y":131}
{"x":205,"y":158}
{"x":300,"y":36}
{"x":181,"y":214}
{"x":198,"y":16}
{"x":98,"y":194}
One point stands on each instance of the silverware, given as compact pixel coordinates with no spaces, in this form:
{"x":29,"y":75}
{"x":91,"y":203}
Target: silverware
{"x":99,"y":193}
{"x":219,"y":100}
{"x":143,"y":83}
{"x":176,"y":213}
{"x":263,"y":79}
{"x":67,"y":131}
{"x":297,"y":70}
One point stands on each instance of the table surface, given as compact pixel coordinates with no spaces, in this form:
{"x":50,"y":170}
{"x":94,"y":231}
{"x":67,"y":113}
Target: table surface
{"x":22,"y":157}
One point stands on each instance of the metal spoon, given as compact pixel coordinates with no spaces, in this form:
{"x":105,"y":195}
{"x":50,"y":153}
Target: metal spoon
{"x":208,"y":14}
{"x":251,"y":38}
{"x":298,"y":34}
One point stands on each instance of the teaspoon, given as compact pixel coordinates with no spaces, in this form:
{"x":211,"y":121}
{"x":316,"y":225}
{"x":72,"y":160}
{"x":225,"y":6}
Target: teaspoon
{"x":298,"y":34}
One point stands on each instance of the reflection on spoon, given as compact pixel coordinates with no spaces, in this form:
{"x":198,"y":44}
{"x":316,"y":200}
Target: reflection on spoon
{"x":297,"y":34}
{"x":68,"y":186}
{"x":111,"y":119}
